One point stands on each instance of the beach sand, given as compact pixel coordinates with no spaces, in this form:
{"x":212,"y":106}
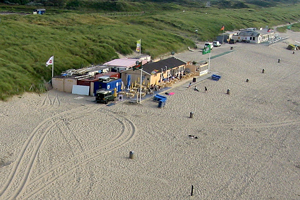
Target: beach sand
{"x":64,"y":146}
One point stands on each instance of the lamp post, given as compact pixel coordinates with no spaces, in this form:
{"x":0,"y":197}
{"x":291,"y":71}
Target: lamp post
{"x":141,"y":69}
{"x":167,"y":72}
{"x":196,"y":34}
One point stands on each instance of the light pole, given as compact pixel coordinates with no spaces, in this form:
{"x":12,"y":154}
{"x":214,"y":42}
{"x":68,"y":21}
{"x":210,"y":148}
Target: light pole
{"x":167,"y":72}
{"x":196,"y":34}
{"x":141,"y":69}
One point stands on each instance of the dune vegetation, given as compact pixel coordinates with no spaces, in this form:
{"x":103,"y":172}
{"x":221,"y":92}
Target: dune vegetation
{"x":82,"y":38}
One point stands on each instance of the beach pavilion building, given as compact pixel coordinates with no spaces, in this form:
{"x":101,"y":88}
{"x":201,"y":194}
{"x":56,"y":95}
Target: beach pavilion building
{"x":154,"y":73}
{"x":251,"y":35}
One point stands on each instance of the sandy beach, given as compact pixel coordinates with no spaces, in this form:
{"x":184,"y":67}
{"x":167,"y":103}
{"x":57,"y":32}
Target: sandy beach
{"x":245,"y":145}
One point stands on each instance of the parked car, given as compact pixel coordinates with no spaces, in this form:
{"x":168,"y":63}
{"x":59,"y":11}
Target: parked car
{"x":231,"y":41}
{"x":216,"y":43}
{"x":206,"y":44}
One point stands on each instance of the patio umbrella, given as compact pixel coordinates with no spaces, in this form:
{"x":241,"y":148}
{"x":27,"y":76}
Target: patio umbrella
{"x":128,"y":81}
{"x":115,"y":92}
{"x":122,"y":86}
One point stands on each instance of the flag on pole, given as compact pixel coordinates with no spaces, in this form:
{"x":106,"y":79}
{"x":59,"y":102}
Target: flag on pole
{"x":222,"y":28}
{"x":50,"y":61}
{"x":206,"y":49}
{"x":138,"y":45}
{"x":138,"y":66}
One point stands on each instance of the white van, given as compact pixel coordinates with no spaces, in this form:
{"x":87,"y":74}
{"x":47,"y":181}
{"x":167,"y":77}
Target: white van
{"x":208,"y":43}
{"x":216,"y":43}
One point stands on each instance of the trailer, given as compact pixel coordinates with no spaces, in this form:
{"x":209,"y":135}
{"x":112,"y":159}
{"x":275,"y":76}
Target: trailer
{"x":39,"y":11}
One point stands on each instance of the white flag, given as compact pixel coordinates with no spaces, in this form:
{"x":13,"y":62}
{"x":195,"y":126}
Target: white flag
{"x":50,"y":61}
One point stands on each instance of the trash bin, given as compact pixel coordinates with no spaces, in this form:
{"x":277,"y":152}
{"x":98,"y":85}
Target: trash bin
{"x":194,"y":79}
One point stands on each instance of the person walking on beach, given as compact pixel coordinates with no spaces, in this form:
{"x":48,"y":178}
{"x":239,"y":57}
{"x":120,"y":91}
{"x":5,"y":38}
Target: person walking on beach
{"x":205,"y":89}
{"x":190,"y":84}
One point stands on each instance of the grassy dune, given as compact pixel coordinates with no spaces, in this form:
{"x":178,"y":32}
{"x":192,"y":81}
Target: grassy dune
{"x":79,"y":39}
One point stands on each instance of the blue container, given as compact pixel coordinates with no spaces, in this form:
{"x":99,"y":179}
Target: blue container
{"x":215,"y":77}
{"x":158,"y":97}
{"x":162,"y":102}
{"x":111,"y":85}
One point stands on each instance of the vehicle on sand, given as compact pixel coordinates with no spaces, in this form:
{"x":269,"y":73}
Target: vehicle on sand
{"x":104,"y":96}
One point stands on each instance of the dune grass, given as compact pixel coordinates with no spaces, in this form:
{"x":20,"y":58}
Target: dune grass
{"x":81,"y":39}
{"x":294,"y":27}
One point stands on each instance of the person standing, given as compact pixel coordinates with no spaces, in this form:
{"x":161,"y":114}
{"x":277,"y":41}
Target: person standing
{"x":205,"y":89}
{"x":190,"y":84}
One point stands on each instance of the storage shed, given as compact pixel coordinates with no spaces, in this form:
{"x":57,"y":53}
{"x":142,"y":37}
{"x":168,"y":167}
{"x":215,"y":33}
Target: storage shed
{"x":90,"y":81}
{"x":199,"y":68}
{"x":64,"y":84}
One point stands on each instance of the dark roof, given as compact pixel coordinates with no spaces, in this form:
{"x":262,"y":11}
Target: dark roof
{"x":256,"y":33}
{"x":249,"y":33}
{"x":159,"y":65}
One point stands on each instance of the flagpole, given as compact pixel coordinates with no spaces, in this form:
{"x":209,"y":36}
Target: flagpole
{"x":141,"y":84}
{"x":208,"y":61}
{"x":53,"y":67}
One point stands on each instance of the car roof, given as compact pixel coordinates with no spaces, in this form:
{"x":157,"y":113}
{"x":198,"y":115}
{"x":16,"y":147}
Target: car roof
{"x":103,"y":92}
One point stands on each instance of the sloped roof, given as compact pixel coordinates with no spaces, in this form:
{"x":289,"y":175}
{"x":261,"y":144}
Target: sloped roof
{"x":255,"y":33}
{"x":249,"y":33}
{"x":159,"y":65}
{"x":265,"y":31}
{"x":122,"y":62}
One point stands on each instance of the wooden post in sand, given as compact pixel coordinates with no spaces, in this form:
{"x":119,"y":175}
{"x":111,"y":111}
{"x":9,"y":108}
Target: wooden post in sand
{"x":131,"y":154}
{"x":191,"y":114}
{"x":228,"y":91}
{"x":192,"y":191}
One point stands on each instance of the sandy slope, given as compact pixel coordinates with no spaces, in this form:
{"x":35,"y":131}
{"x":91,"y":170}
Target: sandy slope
{"x":62,"y":146}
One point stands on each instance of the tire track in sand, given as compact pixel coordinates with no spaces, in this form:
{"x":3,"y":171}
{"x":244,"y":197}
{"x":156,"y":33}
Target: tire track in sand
{"x":263,"y":125}
{"x":28,"y":153}
{"x":47,"y":101}
{"x":58,"y":171}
